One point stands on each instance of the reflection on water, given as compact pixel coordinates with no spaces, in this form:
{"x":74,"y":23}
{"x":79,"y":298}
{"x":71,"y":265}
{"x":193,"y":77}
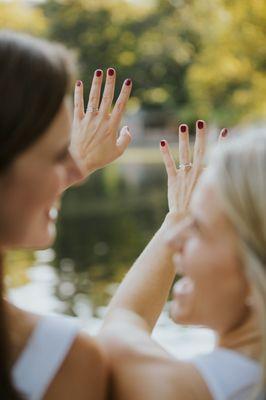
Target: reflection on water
{"x":103,"y":227}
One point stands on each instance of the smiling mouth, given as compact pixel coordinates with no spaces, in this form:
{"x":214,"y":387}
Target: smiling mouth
{"x":183,"y":287}
{"x":53,"y":214}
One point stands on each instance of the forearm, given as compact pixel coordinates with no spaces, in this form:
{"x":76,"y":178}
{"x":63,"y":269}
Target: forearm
{"x":146,"y":286}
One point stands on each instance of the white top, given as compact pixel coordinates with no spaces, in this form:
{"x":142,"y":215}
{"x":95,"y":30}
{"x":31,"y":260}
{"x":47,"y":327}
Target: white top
{"x":43,"y":355}
{"x":228,"y":374}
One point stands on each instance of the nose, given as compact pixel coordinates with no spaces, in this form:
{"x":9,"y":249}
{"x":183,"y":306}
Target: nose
{"x":74,"y":172}
{"x":178,"y":235}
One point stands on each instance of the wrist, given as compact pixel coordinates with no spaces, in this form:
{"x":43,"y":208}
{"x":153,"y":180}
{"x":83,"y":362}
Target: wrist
{"x":172,"y":218}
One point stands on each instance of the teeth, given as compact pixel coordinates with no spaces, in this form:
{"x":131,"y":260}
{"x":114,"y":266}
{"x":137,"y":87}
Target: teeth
{"x":184,"y":285}
{"x":53,"y":213}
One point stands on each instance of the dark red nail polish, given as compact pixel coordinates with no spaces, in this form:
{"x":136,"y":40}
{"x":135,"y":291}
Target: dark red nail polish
{"x":98,"y":73}
{"x":200,"y":124}
{"x":183,"y":128}
{"x":128,"y":82}
{"x":111,"y":71}
{"x":224,"y":132}
{"x":163,"y":143}
{"x":79,"y":83}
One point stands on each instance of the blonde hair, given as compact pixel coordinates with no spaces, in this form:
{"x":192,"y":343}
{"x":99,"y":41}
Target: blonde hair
{"x":240,"y":170}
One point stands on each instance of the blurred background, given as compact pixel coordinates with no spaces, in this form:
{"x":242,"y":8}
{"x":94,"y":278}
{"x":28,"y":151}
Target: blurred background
{"x":188,"y":59}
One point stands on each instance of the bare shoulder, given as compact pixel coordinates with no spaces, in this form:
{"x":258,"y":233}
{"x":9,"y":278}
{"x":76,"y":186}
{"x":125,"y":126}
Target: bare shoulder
{"x":83,"y":374}
{"x":142,"y":369}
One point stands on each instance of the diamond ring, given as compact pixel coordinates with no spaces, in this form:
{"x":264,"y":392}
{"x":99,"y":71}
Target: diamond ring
{"x":92,"y":109}
{"x":185,"y":166}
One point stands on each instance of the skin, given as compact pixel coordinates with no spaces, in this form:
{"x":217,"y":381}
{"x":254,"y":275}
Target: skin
{"x":65,"y":154}
{"x":197,"y":240}
{"x":206,"y":254}
{"x":60,"y":159}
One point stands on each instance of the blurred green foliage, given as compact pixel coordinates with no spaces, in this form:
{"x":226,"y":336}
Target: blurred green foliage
{"x":188,"y":59}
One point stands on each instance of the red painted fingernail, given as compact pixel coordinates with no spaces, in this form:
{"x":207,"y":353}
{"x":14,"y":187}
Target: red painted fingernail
{"x":163,"y":143}
{"x":200,"y":124}
{"x":128,"y":82}
{"x":183,"y":128}
{"x":224,"y":132}
{"x":98,"y":73}
{"x":79,"y":83}
{"x":111,"y":71}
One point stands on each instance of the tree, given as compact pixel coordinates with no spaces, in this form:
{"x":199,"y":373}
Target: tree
{"x":21,"y":17}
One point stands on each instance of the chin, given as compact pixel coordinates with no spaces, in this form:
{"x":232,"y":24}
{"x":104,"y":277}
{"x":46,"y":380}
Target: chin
{"x":47,"y":242}
{"x":180,"y":315}
{"x":42,"y":242}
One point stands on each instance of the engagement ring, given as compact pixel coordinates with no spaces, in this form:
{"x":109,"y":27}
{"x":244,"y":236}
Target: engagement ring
{"x":185,"y":166}
{"x":92,"y":109}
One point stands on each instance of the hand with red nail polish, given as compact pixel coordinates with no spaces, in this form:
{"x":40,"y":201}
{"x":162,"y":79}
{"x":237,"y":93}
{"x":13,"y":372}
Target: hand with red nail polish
{"x":183,"y":179}
{"x":95,"y":141}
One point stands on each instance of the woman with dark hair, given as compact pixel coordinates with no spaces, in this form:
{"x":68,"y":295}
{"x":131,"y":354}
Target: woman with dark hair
{"x":48,"y":357}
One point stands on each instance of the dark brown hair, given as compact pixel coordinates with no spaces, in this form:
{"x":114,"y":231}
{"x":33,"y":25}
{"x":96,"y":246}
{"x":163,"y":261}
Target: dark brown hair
{"x":35,"y":76}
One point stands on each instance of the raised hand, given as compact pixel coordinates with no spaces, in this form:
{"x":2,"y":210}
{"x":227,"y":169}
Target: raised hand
{"x":94,"y":140}
{"x":182,"y":180}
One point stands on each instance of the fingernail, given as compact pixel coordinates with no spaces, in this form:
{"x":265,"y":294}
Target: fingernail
{"x":111,"y":71}
{"x":224,"y":132}
{"x":183,"y":128}
{"x":128,"y":82}
{"x":200,"y":124}
{"x":163,"y":143}
{"x":79,"y":83}
{"x":98,"y":73}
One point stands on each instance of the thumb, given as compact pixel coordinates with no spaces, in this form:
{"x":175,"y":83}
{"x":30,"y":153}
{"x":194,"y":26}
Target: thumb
{"x":124,"y":139}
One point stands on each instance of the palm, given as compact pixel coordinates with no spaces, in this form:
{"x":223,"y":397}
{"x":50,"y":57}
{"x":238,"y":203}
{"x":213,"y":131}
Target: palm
{"x":94,"y":140}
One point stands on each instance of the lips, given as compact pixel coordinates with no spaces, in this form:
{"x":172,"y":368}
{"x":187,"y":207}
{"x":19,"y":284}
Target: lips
{"x":178,"y":265}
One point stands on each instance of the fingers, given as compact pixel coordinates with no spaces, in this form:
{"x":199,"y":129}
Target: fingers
{"x":95,"y":92}
{"x":223,"y":135}
{"x":108,"y":94}
{"x":124,"y":139}
{"x":184,"y":149}
{"x":168,"y":160}
{"x":200,"y":143}
{"x":78,"y":100}
{"x":120,"y":104}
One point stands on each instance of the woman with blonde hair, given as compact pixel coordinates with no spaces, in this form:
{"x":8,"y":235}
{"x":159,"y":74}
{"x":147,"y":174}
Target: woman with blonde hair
{"x":216,"y":238}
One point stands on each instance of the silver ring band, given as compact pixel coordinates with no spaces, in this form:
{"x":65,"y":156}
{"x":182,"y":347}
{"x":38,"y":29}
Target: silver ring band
{"x":92,"y":109}
{"x":185,"y":166}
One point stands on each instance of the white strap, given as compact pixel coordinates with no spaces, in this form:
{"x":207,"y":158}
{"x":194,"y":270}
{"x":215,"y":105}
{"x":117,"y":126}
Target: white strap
{"x":44,"y":354}
{"x":228,"y":374}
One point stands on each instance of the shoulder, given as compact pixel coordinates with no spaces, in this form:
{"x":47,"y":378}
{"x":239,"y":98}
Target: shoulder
{"x":83,"y":372}
{"x":142,"y":369}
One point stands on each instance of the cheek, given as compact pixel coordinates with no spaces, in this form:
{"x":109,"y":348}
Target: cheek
{"x":220,"y":282}
{"x":27,"y":200}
